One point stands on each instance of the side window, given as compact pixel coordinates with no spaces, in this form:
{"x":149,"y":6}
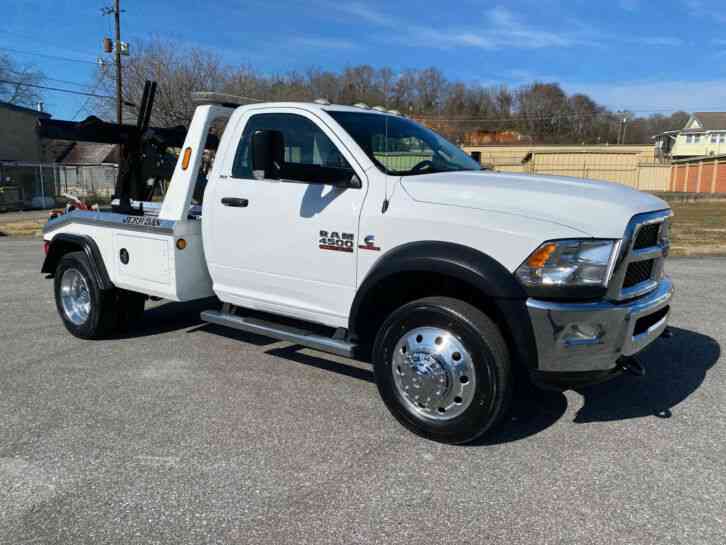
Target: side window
{"x":310,"y":156}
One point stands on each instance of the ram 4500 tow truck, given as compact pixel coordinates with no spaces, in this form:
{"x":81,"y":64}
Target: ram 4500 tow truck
{"x":357,"y":231}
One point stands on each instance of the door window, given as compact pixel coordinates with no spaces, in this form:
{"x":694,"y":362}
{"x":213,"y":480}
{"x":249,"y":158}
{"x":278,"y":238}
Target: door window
{"x":310,"y":156}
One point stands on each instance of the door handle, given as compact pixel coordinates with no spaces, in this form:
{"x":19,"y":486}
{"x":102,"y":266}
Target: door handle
{"x":232,"y":201}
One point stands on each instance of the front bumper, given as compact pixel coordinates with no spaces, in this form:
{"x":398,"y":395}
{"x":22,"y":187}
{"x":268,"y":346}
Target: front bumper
{"x":590,"y":337}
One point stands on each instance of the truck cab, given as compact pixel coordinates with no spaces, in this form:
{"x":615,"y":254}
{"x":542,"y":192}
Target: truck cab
{"x":357,"y":231}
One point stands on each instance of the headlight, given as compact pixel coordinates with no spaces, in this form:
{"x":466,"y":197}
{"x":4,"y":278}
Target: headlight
{"x":568,"y":267}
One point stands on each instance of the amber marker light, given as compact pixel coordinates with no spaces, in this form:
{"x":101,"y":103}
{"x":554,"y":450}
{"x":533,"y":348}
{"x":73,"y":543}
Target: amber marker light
{"x":181,"y":243}
{"x":540,"y":257}
{"x":186,"y":158}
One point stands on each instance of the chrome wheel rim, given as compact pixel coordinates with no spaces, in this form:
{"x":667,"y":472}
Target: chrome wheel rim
{"x":434,"y":373}
{"x":75,"y":297}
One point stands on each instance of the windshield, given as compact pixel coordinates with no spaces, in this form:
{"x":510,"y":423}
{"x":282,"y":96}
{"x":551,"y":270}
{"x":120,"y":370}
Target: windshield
{"x":400,"y":147}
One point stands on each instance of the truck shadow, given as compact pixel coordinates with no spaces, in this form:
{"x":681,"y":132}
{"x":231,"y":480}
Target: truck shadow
{"x":675,"y":368}
{"x":169,"y":317}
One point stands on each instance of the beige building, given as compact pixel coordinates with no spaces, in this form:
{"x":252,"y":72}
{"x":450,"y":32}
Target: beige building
{"x":703,"y":135}
{"x":18,"y":139}
{"x":633,"y":165}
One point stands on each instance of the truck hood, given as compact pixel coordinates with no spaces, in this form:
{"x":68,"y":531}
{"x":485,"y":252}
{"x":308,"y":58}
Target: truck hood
{"x":597,"y":209}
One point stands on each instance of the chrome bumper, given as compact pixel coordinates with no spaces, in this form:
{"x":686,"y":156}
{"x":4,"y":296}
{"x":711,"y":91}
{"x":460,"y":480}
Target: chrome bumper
{"x":581,"y":337}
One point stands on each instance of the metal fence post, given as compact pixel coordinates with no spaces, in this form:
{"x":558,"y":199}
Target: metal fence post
{"x":637,"y":175}
{"x":42,"y":188}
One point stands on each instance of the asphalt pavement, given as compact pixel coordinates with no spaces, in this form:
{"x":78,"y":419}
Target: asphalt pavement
{"x":189,"y":433}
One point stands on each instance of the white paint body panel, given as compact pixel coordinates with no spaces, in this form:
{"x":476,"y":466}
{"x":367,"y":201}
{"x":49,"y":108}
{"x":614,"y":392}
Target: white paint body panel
{"x":266,"y":256}
{"x":156,"y":266}
{"x":596,"y":209}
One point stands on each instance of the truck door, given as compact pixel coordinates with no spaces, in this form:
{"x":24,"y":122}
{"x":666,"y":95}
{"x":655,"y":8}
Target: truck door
{"x":285,"y":246}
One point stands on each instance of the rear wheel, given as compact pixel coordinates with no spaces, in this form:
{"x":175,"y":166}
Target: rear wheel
{"x":83,"y":306}
{"x":88,"y":311}
{"x":443,"y":369}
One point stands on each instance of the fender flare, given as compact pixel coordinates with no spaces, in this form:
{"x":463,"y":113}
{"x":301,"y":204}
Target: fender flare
{"x":61,"y":244}
{"x":468,"y":265}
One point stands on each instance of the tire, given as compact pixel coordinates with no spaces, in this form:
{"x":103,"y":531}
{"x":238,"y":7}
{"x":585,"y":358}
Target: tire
{"x":93,"y":317}
{"x":443,"y":369}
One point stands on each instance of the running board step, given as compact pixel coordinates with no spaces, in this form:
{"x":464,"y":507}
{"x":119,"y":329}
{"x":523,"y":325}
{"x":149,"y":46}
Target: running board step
{"x":281,"y":332}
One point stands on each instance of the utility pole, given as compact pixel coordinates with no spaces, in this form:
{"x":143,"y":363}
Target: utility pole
{"x":118,"y":48}
{"x":117,"y":52}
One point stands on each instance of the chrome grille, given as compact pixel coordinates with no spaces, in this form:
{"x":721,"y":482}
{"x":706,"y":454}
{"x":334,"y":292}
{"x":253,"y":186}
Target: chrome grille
{"x":647,"y":236}
{"x":638,"y":272}
{"x":640,"y":264}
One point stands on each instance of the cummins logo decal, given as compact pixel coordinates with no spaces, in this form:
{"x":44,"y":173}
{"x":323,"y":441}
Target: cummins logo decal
{"x":369,"y":243}
{"x":338,"y":242}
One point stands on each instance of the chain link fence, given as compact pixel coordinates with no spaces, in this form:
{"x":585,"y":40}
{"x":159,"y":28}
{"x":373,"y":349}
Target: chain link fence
{"x":42,"y":185}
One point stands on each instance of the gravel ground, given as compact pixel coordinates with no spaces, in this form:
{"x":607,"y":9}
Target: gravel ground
{"x":188,"y":433}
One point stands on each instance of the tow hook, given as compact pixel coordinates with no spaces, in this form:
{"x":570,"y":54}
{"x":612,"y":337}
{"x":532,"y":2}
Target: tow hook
{"x":632,"y":365}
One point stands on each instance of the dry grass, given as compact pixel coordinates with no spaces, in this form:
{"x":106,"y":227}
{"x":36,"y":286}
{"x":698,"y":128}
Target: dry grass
{"x":699,"y":228}
{"x":22,"y":228}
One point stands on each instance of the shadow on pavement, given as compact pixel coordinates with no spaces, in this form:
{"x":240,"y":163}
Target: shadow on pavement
{"x":675,"y":368}
{"x":169,"y":317}
{"x":532,"y":411}
{"x":292,"y":353}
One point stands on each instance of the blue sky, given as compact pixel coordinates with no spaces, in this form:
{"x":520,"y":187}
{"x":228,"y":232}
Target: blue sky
{"x":635,"y":54}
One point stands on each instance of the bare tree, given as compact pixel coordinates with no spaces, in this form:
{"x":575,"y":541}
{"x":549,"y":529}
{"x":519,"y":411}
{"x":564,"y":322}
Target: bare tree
{"x":178,"y":71}
{"x":19,"y":92}
{"x":542,"y":111}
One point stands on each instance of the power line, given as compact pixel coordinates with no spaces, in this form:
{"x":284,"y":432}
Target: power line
{"x":68,"y":82}
{"x":55,"y":57}
{"x":16,"y":73}
{"x":70,"y":91}
{"x":37,"y":38}
{"x":515,"y":117}
{"x":433,"y":117}
{"x":85,"y":102}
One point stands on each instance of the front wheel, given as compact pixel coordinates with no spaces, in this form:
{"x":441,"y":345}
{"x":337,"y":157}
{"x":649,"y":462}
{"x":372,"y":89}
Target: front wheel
{"x":442,"y":367}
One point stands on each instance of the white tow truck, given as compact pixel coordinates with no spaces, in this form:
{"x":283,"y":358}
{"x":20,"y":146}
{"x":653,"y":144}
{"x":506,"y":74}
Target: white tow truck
{"x":356,"y":231}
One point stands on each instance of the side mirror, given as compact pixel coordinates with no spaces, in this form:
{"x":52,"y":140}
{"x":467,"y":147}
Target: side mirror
{"x":344,"y":179}
{"x":268,"y":154}
{"x":354,"y":182}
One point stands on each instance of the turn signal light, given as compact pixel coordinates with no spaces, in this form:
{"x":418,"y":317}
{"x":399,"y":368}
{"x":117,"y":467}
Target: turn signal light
{"x":540,"y":257}
{"x":186,"y":158}
{"x":181,"y":243}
